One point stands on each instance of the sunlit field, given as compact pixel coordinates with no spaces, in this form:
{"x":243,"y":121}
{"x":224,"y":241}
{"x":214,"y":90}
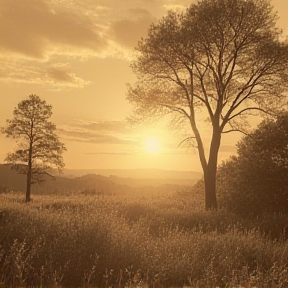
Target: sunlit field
{"x":137,"y":241}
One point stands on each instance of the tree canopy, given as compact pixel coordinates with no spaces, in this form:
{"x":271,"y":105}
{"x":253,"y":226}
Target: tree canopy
{"x":219,"y":62}
{"x":39,"y":148}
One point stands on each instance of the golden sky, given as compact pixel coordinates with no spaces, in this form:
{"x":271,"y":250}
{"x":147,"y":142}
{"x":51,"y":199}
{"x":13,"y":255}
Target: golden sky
{"x":75,"y":54}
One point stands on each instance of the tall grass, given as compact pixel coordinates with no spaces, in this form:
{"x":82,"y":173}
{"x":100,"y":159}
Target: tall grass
{"x":160,"y":241}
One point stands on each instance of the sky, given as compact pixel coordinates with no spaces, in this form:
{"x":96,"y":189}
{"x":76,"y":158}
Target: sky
{"x":76,"y":55}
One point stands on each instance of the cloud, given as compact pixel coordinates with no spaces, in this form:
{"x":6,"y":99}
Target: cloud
{"x":84,"y":136}
{"x":110,"y":153}
{"x":52,"y":76}
{"x":36,"y":33}
{"x":134,"y":25}
{"x":100,"y":132}
{"x":33,"y":27}
{"x":107,"y":126}
{"x":60,"y":75}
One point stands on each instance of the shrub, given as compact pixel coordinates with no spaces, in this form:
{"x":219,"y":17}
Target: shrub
{"x":255,"y":181}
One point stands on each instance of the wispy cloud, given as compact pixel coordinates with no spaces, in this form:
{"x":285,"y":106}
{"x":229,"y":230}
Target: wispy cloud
{"x":97,"y":132}
{"x":51,"y":75}
{"x":82,"y":136}
{"x":107,"y":126}
{"x":110,"y":153}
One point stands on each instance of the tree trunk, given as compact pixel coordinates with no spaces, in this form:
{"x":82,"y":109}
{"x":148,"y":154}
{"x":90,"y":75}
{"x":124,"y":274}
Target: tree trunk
{"x":210,"y":172}
{"x":210,"y":188}
{"x":209,"y":167}
{"x":29,"y":175}
{"x":28,"y":185}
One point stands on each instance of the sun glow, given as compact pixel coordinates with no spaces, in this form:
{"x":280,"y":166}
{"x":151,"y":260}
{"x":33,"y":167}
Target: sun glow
{"x":152,"y":145}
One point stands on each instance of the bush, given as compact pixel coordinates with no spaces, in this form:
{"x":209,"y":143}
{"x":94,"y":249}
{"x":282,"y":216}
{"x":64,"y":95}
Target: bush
{"x":255,"y":181}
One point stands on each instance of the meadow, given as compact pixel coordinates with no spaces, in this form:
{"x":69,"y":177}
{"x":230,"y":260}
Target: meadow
{"x":163,"y":240}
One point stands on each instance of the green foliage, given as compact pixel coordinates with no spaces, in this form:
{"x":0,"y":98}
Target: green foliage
{"x":84,"y":241}
{"x":256,"y":180}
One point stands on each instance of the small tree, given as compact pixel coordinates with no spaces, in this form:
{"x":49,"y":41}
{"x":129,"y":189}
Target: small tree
{"x":256,"y":180}
{"x":39,"y":148}
{"x":217,"y":63}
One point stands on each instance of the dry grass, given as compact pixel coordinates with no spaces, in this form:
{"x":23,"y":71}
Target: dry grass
{"x":160,"y":241}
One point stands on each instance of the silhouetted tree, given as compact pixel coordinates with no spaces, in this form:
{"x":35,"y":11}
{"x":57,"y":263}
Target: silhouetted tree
{"x":256,"y":180}
{"x":39,"y":148}
{"x":216,"y":63}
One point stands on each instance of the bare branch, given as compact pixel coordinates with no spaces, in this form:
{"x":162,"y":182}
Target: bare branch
{"x":186,"y":139}
{"x":235,"y":130}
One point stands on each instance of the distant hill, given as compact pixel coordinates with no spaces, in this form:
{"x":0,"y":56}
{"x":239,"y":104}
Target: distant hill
{"x":11,"y":180}
{"x":137,"y":173}
{"x":99,"y":184}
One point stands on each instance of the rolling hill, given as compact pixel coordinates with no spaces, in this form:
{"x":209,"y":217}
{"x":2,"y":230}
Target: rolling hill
{"x":108,"y":182}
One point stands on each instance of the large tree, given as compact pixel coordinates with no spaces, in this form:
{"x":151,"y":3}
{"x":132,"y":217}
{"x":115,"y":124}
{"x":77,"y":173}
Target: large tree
{"x":217,"y":63}
{"x":39,"y":148}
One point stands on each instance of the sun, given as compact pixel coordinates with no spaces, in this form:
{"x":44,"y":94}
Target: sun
{"x":152,"y":145}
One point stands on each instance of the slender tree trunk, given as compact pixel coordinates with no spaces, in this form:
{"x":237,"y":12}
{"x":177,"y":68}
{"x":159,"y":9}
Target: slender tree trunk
{"x":210,"y":172}
{"x":29,"y":175}
{"x":28,"y":185}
